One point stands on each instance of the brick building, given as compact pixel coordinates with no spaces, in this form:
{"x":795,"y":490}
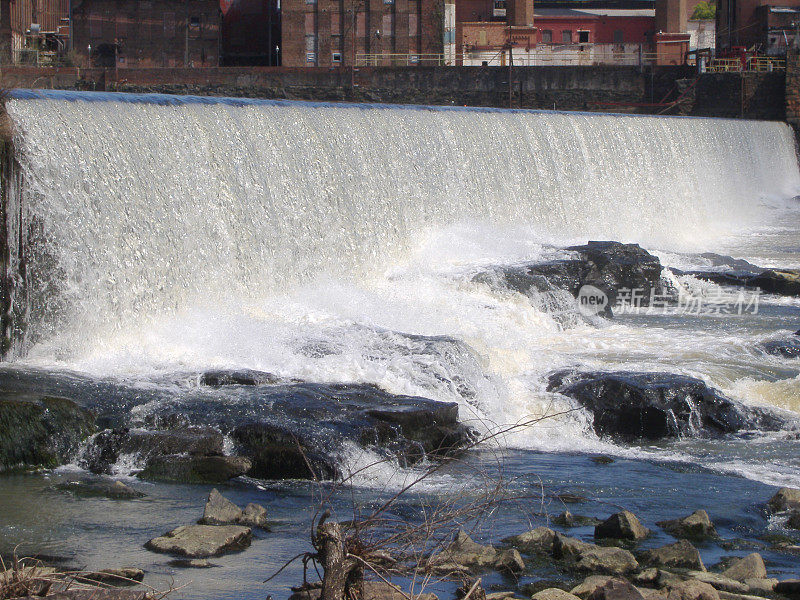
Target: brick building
{"x":251,"y":32}
{"x":327,"y":33}
{"x":147,"y":33}
{"x":30,"y":26}
{"x":758,"y":25}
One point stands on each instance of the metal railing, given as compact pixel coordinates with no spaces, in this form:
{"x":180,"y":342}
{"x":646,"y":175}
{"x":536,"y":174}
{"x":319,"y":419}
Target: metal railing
{"x":404,"y":60}
{"x":756,"y":64}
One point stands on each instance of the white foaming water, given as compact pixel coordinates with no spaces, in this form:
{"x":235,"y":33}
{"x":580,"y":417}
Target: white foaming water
{"x":175,"y":234}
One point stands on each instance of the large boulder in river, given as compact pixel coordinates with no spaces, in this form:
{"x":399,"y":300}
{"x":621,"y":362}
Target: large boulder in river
{"x":785,"y":282}
{"x":787,"y":348}
{"x":41,"y":431}
{"x":608,"y":266}
{"x":584,"y":556}
{"x":536,"y":541}
{"x":202,"y":541}
{"x":307,"y":424}
{"x":631,"y":405}
{"x":749,"y":567}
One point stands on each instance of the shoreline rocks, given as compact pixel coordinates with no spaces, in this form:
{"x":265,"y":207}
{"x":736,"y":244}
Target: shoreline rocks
{"x":622,"y":526}
{"x":221,"y":511}
{"x":696,"y":526}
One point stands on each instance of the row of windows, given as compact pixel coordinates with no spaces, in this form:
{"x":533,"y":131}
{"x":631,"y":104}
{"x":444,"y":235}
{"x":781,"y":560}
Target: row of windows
{"x":109,"y":26}
{"x":582,"y":38}
{"x":387,"y":24}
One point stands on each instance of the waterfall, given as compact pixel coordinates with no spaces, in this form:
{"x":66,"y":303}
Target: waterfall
{"x":138,"y":206}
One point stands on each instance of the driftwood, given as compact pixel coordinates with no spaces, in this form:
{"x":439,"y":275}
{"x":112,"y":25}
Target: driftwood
{"x":343,"y":576}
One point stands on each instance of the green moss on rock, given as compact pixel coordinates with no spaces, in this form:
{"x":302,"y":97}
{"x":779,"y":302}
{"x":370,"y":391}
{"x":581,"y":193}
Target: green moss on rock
{"x":41,"y":431}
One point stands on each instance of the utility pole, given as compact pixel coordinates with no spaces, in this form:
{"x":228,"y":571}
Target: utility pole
{"x":510,"y":45}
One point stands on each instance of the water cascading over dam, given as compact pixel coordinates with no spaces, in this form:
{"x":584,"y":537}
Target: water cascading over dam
{"x":118,"y":208}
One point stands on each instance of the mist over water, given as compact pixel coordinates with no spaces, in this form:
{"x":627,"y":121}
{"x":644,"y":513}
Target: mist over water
{"x":309,"y":240}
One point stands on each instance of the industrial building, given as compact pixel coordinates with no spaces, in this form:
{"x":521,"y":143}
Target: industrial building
{"x":767,"y":28}
{"x":33,"y":30}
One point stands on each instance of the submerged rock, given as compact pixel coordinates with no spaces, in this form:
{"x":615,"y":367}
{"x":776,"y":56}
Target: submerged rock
{"x":680,"y":554}
{"x":114,"y":490}
{"x":622,"y":525}
{"x":696,"y":526}
{"x":202,"y":541}
{"x":784,"y":499}
{"x":633,"y":405}
{"x":41,"y":431}
{"x":195,"y":469}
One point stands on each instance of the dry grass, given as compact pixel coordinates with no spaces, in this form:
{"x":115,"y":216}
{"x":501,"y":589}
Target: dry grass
{"x":29,"y":577}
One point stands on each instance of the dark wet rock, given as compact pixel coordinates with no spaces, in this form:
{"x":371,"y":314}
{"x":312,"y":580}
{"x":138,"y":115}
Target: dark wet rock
{"x":602,"y":460}
{"x":553,"y":594}
{"x":680,"y":554}
{"x":731,"y":264}
{"x":749,"y":567}
{"x":195,"y":469}
{"x":310,"y":423}
{"x":590,"y":584}
{"x":219,"y":510}
{"x":696,"y":526}
{"x":202,"y":541}
{"x":41,"y":431}
{"x":567,"y":519}
{"x":221,"y":377}
{"x":775,"y":281}
{"x":107,"y":446}
{"x":788,"y":348}
{"x":125,"y":576}
{"x":114,"y":490}
{"x":788,"y":587}
{"x":616,"y":589}
{"x":608,"y":266}
{"x":784,"y":499}
{"x":692,"y":590}
{"x":536,"y":541}
{"x":623,"y":526}
{"x":632,"y":405}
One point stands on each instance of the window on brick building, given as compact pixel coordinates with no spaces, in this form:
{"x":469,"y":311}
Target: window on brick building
{"x":194,"y":26}
{"x":387,"y":25}
{"x":336,"y":58}
{"x":583,"y":37}
{"x":547,"y":36}
{"x":619,"y":36}
{"x":336,"y":23}
{"x":566,"y":37}
{"x":413,"y":24}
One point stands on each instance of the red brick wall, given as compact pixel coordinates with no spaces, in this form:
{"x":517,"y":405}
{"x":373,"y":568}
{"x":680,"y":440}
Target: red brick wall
{"x":149,"y":33}
{"x":399,"y":27}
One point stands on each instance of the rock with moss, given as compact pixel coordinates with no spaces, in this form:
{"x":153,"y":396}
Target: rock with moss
{"x":41,"y":431}
{"x":195,"y":469}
